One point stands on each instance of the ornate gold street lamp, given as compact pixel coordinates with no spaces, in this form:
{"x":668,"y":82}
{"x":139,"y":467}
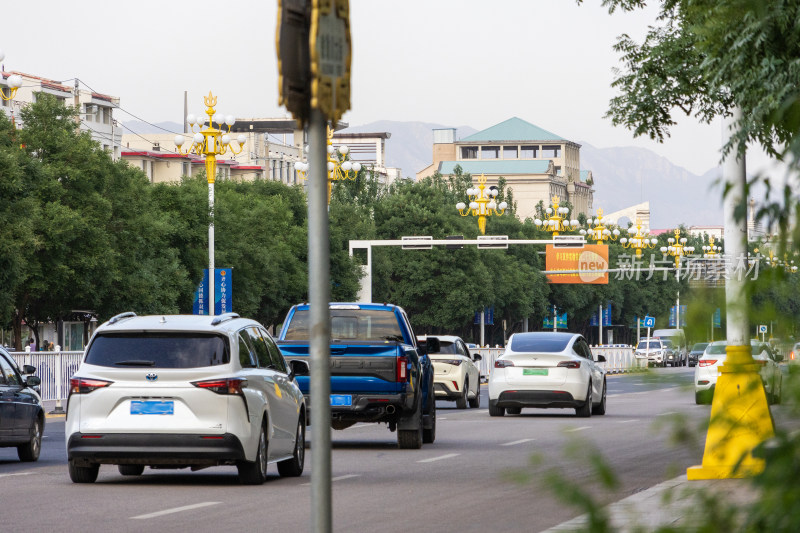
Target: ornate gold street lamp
{"x":556,"y":220}
{"x":677,"y":248}
{"x":340,"y":167}
{"x":638,"y":239}
{"x":482,"y":203}
{"x":211,"y":142}
{"x":14,"y":82}
{"x":711,"y":250}
{"x":599,"y":232}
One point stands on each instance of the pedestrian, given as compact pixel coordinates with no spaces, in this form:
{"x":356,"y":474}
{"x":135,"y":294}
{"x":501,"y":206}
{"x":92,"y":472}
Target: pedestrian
{"x":32,"y":344}
{"x":45,"y":345}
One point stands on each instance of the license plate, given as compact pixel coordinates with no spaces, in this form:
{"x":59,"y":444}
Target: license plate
{"x":534,"y":371}
{"x":152,"y":408}
{"x":341,"y":400}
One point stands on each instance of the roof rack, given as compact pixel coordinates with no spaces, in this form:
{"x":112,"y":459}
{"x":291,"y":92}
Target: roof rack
{"x":223,"y":318}
{"x":121,"y":316}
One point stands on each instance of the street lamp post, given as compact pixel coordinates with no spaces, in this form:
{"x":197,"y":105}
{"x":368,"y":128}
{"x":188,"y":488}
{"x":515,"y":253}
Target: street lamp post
{"x":211,"y":142}
{"x":638,"y":239}
{"x":340,"y":166}
{"x":14,"y":82}
{"x":482,"y":203}
{"x":556,"y":220}
{"x":711,"y":250}
{"x":677,"y":248}
{"x":599,"y":232}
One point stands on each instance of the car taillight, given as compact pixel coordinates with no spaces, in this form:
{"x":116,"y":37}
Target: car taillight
{"x":706,"y":362}
{"x":454,"y":362}
{"x":569,"y":364}
{"x":402,"y":368}
{"x":85,"y":386}
{"x":502,"y":363}
{"x":223,"y":386}
{"x":791,"y":355}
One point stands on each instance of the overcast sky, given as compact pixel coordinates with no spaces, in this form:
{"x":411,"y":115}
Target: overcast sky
{"x":451,"y":62}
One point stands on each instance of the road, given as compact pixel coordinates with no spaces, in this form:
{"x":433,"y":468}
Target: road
{"x":481,"y":474}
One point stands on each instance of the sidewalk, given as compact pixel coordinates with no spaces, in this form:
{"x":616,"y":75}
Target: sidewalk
{"x":668,"y":504}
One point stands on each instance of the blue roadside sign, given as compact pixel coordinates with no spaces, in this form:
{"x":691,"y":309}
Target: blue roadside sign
{"x":223,"y":293}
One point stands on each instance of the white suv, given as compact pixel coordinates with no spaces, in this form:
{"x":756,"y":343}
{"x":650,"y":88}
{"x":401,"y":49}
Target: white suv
{"x":178,"y":391}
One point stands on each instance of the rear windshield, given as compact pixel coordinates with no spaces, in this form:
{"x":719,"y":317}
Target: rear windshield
{"x":548,"y":343}
{"x":446,"y":347}
{"x":158,"y":350}
{"x":653,"y":344}
{"x":716,"y":349}
{"x":699,"y":347}
{"x":350,"y":325}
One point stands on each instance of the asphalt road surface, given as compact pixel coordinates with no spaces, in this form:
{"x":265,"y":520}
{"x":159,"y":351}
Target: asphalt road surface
{"x":481,"y":474}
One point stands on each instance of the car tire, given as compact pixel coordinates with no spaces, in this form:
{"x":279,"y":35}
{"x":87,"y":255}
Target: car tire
{"x":255,"y":472}
{"x":429,"y":434}
{"x":700,"y":398}
{"x":600,"y":409}
{"x":30,"y":451}
{"x":585,"y":410}
{"x":294,"y":467}
{"x":513,"y":410}
{"x":475,"y":403}
{"x":131,"y":470}
{"x":83,"y":474}
{"x":410,"y":439}
{"x":461,"y":401}
{"x":494,"y":410}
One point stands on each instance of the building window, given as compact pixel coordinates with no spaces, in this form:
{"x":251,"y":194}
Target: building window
{"x":106,"y":115}
{"x":558,"y":171}
{"x":490,"y":152}
{"x":187,"y":169}
{"x":529,"y":152}
{"x":552,"y":150}
{"x":469,"y":152}
{"x":509,"y":152}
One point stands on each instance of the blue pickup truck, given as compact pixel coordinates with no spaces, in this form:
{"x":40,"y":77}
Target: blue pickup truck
{"x":378,"y":372}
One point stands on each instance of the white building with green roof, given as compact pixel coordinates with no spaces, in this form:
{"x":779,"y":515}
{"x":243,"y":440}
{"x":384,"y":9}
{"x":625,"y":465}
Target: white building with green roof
{"x":536,"y":163}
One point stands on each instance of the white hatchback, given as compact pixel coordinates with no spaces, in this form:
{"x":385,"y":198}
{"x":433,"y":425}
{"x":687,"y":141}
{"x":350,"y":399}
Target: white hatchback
{"x":707,"y":370}
{"x":547,"y":369}
{"x":455,"y":375}
{"x":179,"y":391}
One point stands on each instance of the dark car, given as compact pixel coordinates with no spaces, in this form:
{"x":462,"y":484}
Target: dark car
{"x":696,"y":352}
{"x":21,"y":410}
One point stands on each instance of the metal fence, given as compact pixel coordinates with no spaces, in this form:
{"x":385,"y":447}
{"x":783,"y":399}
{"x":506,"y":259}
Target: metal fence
{"x":53,"y":368}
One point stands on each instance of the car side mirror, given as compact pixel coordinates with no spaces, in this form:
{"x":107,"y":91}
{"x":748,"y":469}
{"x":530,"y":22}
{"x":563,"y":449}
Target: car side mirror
{"x":778,"y":357}
{"x":477,"y":357}
{"x":298,"y":367}
{"x":601,"y":358}
{"x":33,"y":381}
{"x":28,"y":369}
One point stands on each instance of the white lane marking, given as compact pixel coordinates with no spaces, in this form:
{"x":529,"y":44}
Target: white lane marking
{"x":628,"y":421}
{"x":577,"y":429}
{"x":338,"y":478}
{"x":17,"y":474}
{"x":514,"y":443}
{"x":667,"y":413}
{"x":432,"y":459}
{"x":173,"y":510}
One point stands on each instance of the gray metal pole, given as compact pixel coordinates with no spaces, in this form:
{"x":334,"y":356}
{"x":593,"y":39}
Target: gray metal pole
{"x":733,"y":169}
{"x":319,"y":286}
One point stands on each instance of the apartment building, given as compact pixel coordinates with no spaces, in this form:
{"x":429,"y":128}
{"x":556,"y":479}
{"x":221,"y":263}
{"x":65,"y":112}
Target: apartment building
{"x":536,"y":164}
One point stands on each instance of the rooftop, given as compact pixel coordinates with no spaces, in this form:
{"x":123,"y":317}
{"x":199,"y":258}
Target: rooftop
{"x":513,"y":129}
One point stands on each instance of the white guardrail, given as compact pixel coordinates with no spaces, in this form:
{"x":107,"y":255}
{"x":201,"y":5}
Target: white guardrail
{"x":619,"y":358}
{"x":53,"y":368}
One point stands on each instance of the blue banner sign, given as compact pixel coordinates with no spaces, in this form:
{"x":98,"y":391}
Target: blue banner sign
{"x":672,"y":317}
{"x":607,"y":315}
{"x":561,"y":322}
{"x":488,"y":316}
{"x":223,"y":293}
{"x":717,"y":318}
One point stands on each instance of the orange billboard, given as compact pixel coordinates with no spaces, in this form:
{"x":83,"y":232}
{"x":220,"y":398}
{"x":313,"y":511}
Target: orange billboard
{"x":586,"y":261}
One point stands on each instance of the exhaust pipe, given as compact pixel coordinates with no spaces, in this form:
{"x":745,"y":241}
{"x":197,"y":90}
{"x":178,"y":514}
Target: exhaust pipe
{"x":390,"y":409}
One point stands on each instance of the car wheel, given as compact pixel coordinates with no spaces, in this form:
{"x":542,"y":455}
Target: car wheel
{"x":585,"y":410}
{"x":461,"y":401}
{"x":494,"y":410}
{"x":131,"y":470}
{"x":410,"y":439}
{"x":429,"y":434}
{"x":475,"y":402}
{"x":513,"y":410}
{"x":294,"y":467}
{"x":255,"y":472}
{"x":30,"y":450}
{"x":700,"y":397}
{"x":600,"y":409}
{"x":83,"y":474}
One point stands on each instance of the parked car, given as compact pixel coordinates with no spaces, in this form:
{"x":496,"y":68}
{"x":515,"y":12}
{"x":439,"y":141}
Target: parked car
{"x":179,"y":391}
{"x":650,"y":352}
{"x":455,"y":375}
{"x":696,"y":351}
{"x":677,"y":341}
{"x":21,"y":409}
{"x":707,"y":370}
{"x":673,"y":356}
{"x":547,"y":369}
